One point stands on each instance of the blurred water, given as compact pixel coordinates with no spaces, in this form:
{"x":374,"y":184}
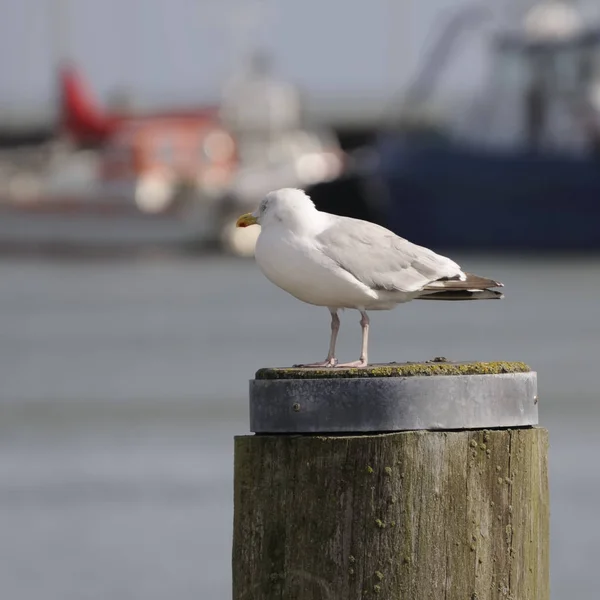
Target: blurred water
{"x":123,"y":382}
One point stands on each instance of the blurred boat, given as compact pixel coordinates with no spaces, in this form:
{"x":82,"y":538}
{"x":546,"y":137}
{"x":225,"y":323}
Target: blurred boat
{"x":535,"y":185}
{"x":155,"y":181}
{"x":126,"y":192}
{"x":88,"y":124}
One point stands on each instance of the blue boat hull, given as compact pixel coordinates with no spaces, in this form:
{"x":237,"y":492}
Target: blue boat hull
{"x":466,"y":198}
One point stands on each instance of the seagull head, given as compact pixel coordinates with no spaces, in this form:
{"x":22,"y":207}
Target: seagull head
{"x":288,"y":206}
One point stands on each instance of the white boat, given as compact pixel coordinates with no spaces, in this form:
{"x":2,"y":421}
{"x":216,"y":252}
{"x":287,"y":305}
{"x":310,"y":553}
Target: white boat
{"x":94,"y":199}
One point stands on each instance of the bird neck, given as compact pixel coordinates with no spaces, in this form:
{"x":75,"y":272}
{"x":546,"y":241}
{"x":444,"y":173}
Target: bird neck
{"x":307,"y":222}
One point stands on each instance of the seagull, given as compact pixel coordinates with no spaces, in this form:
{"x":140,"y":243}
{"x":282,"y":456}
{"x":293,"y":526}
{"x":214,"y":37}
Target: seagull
{"x":340,"y":262}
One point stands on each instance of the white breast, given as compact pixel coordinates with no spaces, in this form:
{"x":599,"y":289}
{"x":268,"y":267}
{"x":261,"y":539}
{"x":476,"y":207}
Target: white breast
{"x":296,"y":265}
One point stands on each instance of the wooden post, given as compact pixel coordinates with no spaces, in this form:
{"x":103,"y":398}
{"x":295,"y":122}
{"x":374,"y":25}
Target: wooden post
{"x":430,"y":512}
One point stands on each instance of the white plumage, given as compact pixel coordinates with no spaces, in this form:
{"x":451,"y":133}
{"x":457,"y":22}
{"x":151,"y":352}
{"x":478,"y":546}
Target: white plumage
{"x":339,"y":262}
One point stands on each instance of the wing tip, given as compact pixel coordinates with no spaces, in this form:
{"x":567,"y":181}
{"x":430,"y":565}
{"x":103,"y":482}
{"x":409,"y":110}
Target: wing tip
{"x":485,"y":281}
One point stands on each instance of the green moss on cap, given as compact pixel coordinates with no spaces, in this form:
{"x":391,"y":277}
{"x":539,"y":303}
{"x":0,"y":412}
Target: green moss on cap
{"x":427,"y":369}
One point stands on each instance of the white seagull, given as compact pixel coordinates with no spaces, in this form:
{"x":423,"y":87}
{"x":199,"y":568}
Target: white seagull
{"x":340,"y":262}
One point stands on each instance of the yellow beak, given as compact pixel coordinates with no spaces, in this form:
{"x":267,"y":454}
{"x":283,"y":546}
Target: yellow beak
{"x":246,"y":220}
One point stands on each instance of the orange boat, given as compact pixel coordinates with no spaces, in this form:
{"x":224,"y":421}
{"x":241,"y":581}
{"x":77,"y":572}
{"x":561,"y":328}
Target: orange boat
{"x":156,"y":162}
{"x":87,"y":123}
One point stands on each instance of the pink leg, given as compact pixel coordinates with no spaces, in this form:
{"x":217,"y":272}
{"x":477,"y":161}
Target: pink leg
{"x":364,"y":359}
{"x":330,"y":361}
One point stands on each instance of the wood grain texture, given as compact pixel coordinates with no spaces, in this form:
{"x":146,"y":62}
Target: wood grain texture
{"x":404,"y":516}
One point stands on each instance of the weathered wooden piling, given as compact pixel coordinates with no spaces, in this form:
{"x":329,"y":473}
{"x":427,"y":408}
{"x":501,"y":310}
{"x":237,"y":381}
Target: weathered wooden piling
{"x":396,"y":482}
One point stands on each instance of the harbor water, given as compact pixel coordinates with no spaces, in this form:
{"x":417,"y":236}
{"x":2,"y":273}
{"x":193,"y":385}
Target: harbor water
{"x":124,"y":380}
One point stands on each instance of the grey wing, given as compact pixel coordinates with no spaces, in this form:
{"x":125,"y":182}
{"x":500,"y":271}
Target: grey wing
{"x":380,"y":259}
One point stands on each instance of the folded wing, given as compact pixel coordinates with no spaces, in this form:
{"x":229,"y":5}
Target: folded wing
{"x":382,"y":260}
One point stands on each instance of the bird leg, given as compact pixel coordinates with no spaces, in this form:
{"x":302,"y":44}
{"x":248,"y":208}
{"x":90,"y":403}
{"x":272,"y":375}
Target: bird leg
{"x":363,"y":360}
{"x":330,"y":361}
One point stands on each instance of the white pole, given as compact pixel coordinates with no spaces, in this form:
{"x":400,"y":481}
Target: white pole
{"x":401,"y":53}
{"x":60,"y":31}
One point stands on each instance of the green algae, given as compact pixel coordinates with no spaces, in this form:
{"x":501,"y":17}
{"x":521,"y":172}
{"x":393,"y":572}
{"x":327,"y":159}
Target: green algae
{"x":427,"y":369}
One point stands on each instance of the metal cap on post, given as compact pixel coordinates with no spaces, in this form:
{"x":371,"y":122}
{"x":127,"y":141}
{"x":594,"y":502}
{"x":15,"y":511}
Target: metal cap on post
{"x":394,"y":397}
{"x":415,"y":480}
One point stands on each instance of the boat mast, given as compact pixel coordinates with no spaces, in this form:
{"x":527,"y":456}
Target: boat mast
{"x":60,"y":48}
{"x":60,"y":31}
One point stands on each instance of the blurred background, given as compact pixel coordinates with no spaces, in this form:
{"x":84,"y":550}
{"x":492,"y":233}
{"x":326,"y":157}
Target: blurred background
{"x":132,"y":135}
